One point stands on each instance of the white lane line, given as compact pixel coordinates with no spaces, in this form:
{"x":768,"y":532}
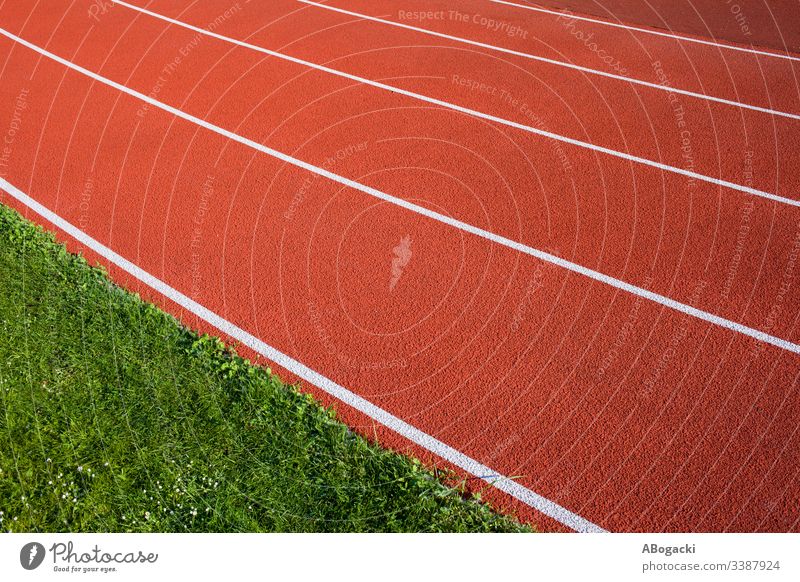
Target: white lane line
{"x":587,"y":70}
{"x":472,"y":112}
{"x":415,"y":435}
{"x":567,"y":14}
{"x":463,"y":226}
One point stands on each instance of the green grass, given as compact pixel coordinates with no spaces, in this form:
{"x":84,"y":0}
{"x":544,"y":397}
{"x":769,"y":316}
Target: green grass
{"x":113,"y":417}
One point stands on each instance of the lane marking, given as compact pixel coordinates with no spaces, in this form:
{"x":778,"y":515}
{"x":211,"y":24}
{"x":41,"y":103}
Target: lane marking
{"x":463,"y":226}
{"x":557,"y":63}
{"x":406,"y":430}
{"x":472,"y":112}
{"x":649,"y":31}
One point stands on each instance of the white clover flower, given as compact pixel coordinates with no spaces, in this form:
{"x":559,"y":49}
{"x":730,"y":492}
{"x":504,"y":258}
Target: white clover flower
{"x":147,"y":515}
{"x":80,"y":468}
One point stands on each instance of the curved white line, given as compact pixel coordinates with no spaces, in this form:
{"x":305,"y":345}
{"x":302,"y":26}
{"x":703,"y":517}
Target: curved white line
{"x":415,"y":435}
{"x":463,"y":226}
{"x":649,"y":31}
{"x":472,"y":112}
{"x":587,"y":70}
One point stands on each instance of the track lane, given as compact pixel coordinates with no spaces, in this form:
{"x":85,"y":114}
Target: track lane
{"x":739,"y":43}
{"x":613,"y":259}
{"x":750,"y":22}
{"x":585,"y":44}
{"x":690,"y":145}
{"x":683,"y":135}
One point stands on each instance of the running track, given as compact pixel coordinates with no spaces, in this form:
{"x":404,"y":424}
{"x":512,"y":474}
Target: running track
{"x":566,"y":267}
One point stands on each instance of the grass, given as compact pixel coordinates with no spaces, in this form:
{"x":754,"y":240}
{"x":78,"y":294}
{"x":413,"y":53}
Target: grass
{"x":114,"y":417}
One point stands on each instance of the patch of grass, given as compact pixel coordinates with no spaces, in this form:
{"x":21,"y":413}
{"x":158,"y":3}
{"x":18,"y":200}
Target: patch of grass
{"x":113,"y":417}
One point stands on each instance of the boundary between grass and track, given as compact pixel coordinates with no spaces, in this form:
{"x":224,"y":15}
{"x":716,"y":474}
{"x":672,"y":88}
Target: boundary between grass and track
{"x":587,"y":70}
{"x":463,"y":226}
{"x":648,"y":31}
{"x":404,"y":429}
{"x":229,"y":446}
{"x":458,"y":108}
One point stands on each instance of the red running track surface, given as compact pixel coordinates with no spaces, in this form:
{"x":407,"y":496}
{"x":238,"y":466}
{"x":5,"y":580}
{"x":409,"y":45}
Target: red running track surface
{"x":767,"y":23}
{"x":621,"y":410}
